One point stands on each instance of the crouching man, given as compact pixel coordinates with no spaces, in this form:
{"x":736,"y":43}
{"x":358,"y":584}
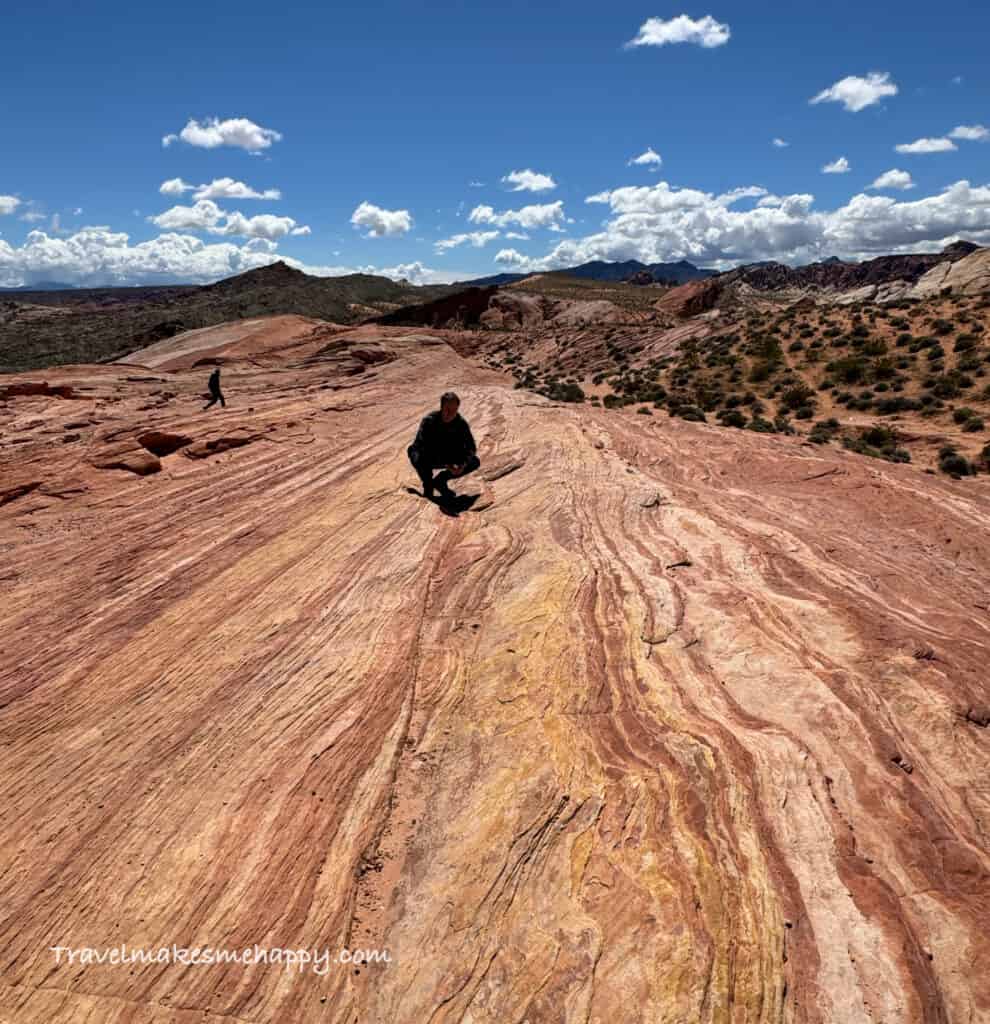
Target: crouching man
{"x":443,"y":442}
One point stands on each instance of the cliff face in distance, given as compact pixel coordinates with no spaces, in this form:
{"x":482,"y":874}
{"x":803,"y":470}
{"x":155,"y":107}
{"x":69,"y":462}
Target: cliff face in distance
{"x":671,"y":722}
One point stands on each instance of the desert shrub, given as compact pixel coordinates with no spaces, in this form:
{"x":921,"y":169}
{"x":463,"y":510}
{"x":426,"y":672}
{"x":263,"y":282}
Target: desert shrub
{"x":848,"y":369}
{"x":877,"y":442}
{"x":805,"y":412}
{"x":965,"y":343}
{"x":890,"y":406}
{"x":692,"y":413}
{"x":962,"y":414}
{"x":732,"y":418}
{"x":945,"y":387}
{"x":973,"y":425}
{"x":823,"y":431}
{"x":644,"y":411}
{"x":941,"y":327}
{"x":568,"y":392}
{"x":952,"y":463}
{"x":797,"y":396}
{"x":760,"y":425}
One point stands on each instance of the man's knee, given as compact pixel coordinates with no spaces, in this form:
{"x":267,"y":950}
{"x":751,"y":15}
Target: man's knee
{"x":472,"y":463}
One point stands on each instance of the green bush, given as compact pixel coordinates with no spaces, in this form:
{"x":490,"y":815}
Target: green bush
{"x":732,"y":418}
{"x":760,"y":425}
{"x":952,"y":463}
{"x":691,"y":413}
{"x":558,"y":392}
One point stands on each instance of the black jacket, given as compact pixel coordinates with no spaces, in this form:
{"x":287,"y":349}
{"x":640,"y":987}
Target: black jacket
{"x":214,"y":382}
{"x":444,"y":443}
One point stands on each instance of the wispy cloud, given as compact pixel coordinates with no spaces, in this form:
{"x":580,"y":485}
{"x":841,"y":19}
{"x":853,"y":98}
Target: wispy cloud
{"x":941,"y":145}
{"x":650,"y":159}
{"x":971,"y":133}
{"x":474,"y":238}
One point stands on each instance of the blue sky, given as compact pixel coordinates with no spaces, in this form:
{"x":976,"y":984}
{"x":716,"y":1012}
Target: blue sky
{"x":372,"y":121}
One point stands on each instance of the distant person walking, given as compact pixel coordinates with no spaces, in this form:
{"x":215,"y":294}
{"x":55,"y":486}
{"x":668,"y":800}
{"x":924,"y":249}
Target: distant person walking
{"x":443,"y":442}
{"x":216,"y":395}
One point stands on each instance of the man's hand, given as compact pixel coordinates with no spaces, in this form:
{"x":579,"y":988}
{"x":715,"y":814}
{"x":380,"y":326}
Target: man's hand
{"x":455,"y":470}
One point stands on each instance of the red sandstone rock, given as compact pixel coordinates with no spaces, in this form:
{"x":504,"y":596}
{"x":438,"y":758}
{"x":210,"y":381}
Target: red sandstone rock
{"x":271,"y":697}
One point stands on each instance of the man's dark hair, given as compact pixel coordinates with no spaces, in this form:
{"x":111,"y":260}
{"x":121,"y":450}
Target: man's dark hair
{"x":449,"y":396}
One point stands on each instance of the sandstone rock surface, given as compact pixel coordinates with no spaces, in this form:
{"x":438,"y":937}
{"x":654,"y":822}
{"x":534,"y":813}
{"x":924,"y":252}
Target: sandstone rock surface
{"x":617,"y":747}
{"x":968,"y":276}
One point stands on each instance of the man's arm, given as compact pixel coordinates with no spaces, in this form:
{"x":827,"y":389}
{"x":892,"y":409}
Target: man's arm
{"x":421,"y":442}
{"x":469,"y":446}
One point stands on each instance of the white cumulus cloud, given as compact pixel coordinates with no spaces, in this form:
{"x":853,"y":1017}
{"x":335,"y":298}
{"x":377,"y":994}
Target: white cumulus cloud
{"x":529,"y":181}
{"x":380,"y":222}
{"x":856,"y":93}
{"x":8,"y":204}
{"x":511,"y":258}
{"x":547,"y":215}
{"x":840,"y":166}
{"x":649,"y":158}
{"x":941,"y":145}
{"x":205,"y":215}
{"x":98,"y":257}
{"x":234,"y":131}
{"x":706,"y":32}
{"x":662,"y":223}
{"x":780,"y":143}
{"x":894,"y":179}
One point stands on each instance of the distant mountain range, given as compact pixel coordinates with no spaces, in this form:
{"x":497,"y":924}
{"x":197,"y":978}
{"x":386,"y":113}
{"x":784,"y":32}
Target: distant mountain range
{"x":42,"y":286}
{"x":599,"y":270}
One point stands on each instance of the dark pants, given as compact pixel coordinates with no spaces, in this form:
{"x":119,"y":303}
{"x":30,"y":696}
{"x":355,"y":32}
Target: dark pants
{"x":215,"y":396}
{"x":424,"y":465}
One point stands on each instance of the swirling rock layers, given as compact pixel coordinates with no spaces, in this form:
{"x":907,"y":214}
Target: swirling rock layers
{"x":577,"y":756}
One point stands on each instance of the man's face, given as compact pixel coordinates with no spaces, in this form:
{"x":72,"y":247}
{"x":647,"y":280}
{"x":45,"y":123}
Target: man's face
{"x":448,"y":411}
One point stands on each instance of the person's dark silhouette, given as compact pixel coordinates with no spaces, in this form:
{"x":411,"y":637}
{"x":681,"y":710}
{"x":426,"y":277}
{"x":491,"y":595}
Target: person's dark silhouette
{"x":216,"y":395}
{"x":443,"y":442}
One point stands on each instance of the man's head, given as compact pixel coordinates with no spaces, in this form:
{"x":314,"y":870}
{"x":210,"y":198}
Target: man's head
{"x":449,"y":404}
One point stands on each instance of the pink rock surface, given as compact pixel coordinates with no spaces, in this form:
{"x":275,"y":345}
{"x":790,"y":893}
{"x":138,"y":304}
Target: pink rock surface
{"x":618,"y":746}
